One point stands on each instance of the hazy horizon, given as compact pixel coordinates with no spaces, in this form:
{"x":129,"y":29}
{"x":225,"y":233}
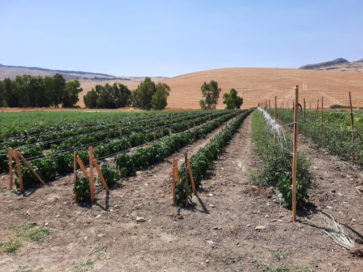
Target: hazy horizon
{"x":171,"y":38}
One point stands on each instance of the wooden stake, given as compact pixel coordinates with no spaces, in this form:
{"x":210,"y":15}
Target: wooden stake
{"x":74,"y":166}
{"x":174,"y":181}
{"x":275,"y":116}
{"x":186,"y":180}
{"x":322,"y":121}
{"x":304,"y":110}
{"x":269,"y":104}
{"x":80,"y":163}
{"x":351,"y":122}
{"x":18,"y":168}
{"x":120,"y":131}
{"x":310,"y":105}
{"x":317,"y":108}
{"x":91,"y":180}
{"x":27,"y":164}
{"x":11,"y":174}
{"x":99,"y":172}
{"x":294,"y":161}
{"x":177,"y":177}
{"x":191,"y":177}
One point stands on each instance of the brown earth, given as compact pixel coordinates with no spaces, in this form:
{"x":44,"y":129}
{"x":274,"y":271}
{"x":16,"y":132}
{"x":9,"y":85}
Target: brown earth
{"x":217,"y":234}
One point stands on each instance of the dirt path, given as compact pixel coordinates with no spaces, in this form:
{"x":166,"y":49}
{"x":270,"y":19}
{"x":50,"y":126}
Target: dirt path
{"x":221,"y":237}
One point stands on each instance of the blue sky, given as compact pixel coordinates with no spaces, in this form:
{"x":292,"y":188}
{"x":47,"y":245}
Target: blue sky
{"x":170,"y":38}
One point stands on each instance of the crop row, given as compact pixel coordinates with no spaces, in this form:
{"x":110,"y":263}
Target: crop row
{"x":333,"y":132}
{"x":62,"y":163}
{"x":202,"y":161}
{"x":174,"y":124}
{"x":143,"y":158}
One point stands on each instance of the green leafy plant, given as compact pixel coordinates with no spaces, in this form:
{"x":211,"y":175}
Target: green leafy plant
{"x":110,"y":174}
{"x":81,"y":188}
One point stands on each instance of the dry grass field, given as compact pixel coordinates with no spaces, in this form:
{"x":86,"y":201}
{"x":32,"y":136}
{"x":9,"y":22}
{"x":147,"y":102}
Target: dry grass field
{"x":258,"y":84}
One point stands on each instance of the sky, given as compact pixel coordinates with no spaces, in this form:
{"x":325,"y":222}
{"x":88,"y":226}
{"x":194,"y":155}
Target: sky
{"x":170,"y":38}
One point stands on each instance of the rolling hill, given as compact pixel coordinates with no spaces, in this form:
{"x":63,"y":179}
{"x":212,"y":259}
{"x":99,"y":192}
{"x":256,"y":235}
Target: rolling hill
{"x":259,"y":84}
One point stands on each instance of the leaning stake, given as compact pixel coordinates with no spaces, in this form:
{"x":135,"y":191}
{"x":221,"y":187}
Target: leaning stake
{"x":294,"y":161}
{"x":351,"y":123}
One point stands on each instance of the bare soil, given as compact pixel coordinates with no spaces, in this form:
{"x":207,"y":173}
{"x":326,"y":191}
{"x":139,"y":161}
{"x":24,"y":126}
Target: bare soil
{"x":216,"y":234}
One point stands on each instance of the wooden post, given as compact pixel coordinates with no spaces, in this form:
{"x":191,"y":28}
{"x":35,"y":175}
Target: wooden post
{"x":11,"y":174}
{"x":275,"y":108}
{"x":18,"y":168}
{"x":294,"y":161}
{"x":269,"y":104}
{"x":186,"y":179}
{"x":174,"y":181}
{"x":80,"y":163}
{"x":74,"y":166}
{"x":191,"y":177}
{"x":351,"y":122}
{"x":304,"y":110}
{"x":120,"y":131}
{"x":27,"y":164}
{"x":91,"y":181}
{"x":99,"y":172}
{"x":317,"y":108}
{"x":322,"y":121}
{"x":310,"y":105}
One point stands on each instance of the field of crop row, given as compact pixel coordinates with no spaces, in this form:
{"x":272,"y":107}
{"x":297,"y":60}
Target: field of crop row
{"x":332,"y":132}
{"x":50,"y":150}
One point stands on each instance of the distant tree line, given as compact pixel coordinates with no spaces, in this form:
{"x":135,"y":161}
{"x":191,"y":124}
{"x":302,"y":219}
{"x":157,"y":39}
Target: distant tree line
{"x":29,"y":91}
{"x":210,"y":93}
{"x":148,"y":95}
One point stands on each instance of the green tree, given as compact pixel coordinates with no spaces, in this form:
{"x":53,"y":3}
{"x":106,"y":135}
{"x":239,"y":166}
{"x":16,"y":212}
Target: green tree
{"x":70,"y":94}
{"x":160,"y":97}
{"x":90,"y":99}
{"x":210,"y":92}
{"x":232,"y":100}
{"x":143,"y":94}
{"x":122,"y":95}
{"x":55,"y":87}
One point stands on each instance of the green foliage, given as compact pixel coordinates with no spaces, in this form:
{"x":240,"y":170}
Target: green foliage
{"x":277,"y":162}
{"x":210,"y":92}
{"x":29,"y":91}
{"x":108,"y":97}
{"x":143,"y":94}
{"x":159,"y":98}
{"x":71,"y":91}
{"x":232,"y":100}
{"x":81,"y":188}
{"x":110,"y":174}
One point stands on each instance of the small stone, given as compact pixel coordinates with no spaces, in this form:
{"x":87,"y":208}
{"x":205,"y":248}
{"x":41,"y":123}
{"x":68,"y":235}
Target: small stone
{"x":46,"y":224}
{"x":210,"y":195}
{"x":353,"y":220}
{"x":57,"y":215}
{"x":98,"y":216}
{"x":100,"y":235}
{"x":85,"y":238}
{"x":140,"y":219}
{"x":315,"y":167}
{"x":248,"y":225}
{"x":260,"y":227}
{"x":211,"y":205}
{"x":266,"y":216}
{"x":206,"y":261}
{"x":3,"y":177}
{"x":329,"y":207}
{"x":138,"y":173}
{"x":210,"y":242}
